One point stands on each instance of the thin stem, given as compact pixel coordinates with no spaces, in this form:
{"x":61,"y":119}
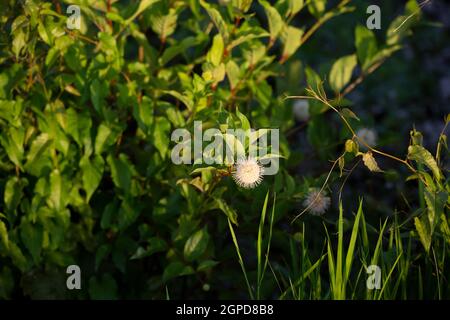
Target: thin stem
{"x":320,"y":22}
{"x":363,"y":75}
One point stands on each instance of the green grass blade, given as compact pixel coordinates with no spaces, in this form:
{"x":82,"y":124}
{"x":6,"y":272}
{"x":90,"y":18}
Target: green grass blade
{"x":378,"y":247}
{"x":259,"y":245}
{"x":241,"y":262}
{"x":351,"y":247}
{"x":331,"y":266}
{"x":389,"y":275}
{"x":340,"y":249}
{"x":305,"y":275}
{"x":269,"y":240}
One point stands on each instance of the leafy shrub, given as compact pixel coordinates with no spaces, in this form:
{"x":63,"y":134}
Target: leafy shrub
{"x":87,"y":179}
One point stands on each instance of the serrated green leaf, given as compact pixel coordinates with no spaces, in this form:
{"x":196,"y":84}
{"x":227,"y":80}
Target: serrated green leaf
{"x":423,"y":156}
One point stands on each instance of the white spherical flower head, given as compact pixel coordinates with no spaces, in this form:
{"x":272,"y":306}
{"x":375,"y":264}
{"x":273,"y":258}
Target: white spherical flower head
{"x":317,"y":202}
{"x":369,"y":136}
{"x":301,"y":110}
{"x":249,"y":173}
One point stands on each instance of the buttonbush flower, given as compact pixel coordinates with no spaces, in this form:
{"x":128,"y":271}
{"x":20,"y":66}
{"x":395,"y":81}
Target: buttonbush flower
{"x":301,"y":110}
{"x":248,"y":173}
{"x":367,"y":135}
{"x":317,"y":201}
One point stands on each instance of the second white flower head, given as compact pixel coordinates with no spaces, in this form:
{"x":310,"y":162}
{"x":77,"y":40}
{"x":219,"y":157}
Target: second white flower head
{"x":249,"y":173}
{"x":317,"y":201}
{"x":369,"y":136}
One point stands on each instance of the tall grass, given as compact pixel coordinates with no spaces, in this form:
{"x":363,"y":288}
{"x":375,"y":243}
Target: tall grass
{"x":262,"y":260}
{"x":407,"y":271}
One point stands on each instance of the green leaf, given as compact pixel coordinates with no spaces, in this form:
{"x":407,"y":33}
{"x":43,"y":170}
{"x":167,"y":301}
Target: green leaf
{"x":276,"y":22}
{"x":35,"y":157}
{"x":99,"y":90}
{"x":176,"y":269}
{"x":341,"y":72}
{"x":128,"y":213}
{"x":423,"y":230}
{"x":161,"y":135}
{"x":102,"y":252}
{"x":233,"y":72}
{"x":78,"y":126}
{"x":366,"y":46}
{"x":206,"y":265}
{"x":229,"y":212}
{"x":242,"y":5}
{"x":196,"y":245}
{"x":19,"y":42}
{"x":103,"y":288}
{"x":214,"y":74}
{"x":245,"y":124}
{"x":218,"y":21}
{"x":59,"y":189}
{"x":317,"y":7}
{"x":346,"y":112}
{"x":215,"y":54}
{"x":295,"y":6}
{"x":4,"y":238}
{"x":179,"y":48}
{"x":121,"y":171}
{"x":155,"y":244}
{"x":106,"y":136}
{"x":187,"y":101}
{"x":92,"y":172}
{"x":143,"y":5}
{"x":13,"y":193}
{"x":143,"y":113}
{"x":32,"y":236}
{"x":17,"y":256}
{"x":291,"y":37}
{"x":164,"y":24}
{"x":45,"y":36}
{"x":423,"y":156}
{"x":435,"y":204}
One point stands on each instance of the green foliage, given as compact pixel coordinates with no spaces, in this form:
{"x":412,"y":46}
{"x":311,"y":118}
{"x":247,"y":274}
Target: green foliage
{"x":86,"y":176}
